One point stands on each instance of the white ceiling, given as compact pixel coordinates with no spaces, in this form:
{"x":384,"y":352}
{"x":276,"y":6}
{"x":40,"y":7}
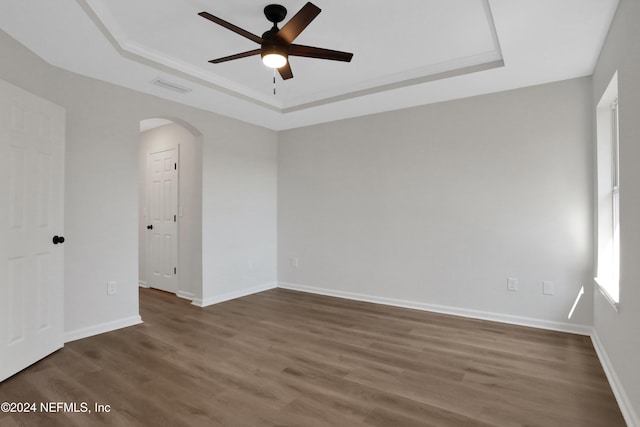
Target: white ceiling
{"x":406,"y":53}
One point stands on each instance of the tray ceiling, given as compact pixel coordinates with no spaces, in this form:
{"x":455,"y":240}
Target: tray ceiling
{"x":407,"y":53}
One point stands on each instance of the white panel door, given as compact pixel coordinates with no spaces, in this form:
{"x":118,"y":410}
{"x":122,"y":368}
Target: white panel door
{"x":31,"y":194}
{"x":162,"y":217}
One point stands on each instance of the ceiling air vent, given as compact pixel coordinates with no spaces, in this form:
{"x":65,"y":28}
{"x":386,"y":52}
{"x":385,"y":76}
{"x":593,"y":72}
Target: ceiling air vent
{"x":171,"y":86}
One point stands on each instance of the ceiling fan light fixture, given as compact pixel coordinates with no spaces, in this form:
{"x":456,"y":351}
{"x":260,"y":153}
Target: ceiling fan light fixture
{"x":274,"y":60}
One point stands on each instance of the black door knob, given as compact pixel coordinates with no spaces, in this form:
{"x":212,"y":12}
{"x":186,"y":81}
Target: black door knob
{"x":150,"y":227}
{"x":57,"y":239}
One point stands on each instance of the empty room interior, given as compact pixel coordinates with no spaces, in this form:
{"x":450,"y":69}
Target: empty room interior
{"x":427,"y":214}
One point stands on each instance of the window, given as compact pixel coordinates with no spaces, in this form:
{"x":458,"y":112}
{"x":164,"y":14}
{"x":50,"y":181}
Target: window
{"x":608,"y":268}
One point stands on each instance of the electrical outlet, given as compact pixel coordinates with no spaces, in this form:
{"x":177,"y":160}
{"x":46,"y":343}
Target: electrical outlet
{"x":294,"y":262}
{"x":111,"y":287}
{"x":512,"y":284}
{"x":548,"y":288}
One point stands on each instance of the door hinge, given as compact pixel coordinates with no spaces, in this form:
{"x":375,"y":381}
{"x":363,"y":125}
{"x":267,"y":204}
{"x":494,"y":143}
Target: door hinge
{"x":175,"y":270}
{"x":174,"y":218}
{"x":175,"y":166}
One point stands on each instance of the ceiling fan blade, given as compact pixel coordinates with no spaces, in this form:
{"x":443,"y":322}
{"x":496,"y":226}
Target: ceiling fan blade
{"x":236,"y":56}
{"x":229,"y":26}
{"x":317,"y":52}
{"x":299,"y":22}
{"x":285,"y":71}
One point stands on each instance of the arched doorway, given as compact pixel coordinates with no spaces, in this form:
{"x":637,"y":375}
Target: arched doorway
{"x":170,"y":207}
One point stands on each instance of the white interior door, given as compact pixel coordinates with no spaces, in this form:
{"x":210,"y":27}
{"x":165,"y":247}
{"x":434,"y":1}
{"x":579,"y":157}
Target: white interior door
{"x":163,"y":217}
{"x":31,"y":194}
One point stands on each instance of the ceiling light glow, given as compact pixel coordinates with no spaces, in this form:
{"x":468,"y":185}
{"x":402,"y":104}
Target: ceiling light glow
{"x":274,"y":60}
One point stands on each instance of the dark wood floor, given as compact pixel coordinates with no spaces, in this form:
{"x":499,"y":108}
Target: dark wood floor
{"x":283,"y":358}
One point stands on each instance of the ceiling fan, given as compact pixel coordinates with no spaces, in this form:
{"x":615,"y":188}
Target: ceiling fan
{"x":276,"y":44}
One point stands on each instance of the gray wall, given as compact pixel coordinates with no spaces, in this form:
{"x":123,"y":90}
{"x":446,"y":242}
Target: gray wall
{"x":101,"y":191}
{"x":440,"y":204}
{"x":619,"y":331}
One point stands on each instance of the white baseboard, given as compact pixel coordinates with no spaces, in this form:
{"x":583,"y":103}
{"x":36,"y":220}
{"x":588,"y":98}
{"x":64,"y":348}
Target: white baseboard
{"x":455,"y":311}
{"x":233,"y":295}
{"x":101,"y":328}
{"x":629,"y":414}
{"x":143,"y":284}
{"x":185,"y":295}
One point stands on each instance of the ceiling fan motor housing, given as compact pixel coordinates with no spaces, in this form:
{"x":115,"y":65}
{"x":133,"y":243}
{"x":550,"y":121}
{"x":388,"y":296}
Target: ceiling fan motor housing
{"x":272,"y":44}
{"x":275,"y":13}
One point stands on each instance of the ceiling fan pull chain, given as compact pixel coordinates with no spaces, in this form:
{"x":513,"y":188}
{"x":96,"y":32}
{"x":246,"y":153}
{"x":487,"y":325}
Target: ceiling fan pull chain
{"x":274,"y":81}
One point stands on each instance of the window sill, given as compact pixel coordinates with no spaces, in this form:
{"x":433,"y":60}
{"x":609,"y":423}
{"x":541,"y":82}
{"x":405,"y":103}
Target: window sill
{"x":615,"y":305}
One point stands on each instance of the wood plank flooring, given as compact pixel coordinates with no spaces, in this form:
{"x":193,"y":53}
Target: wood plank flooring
{"x":284,"y":358}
